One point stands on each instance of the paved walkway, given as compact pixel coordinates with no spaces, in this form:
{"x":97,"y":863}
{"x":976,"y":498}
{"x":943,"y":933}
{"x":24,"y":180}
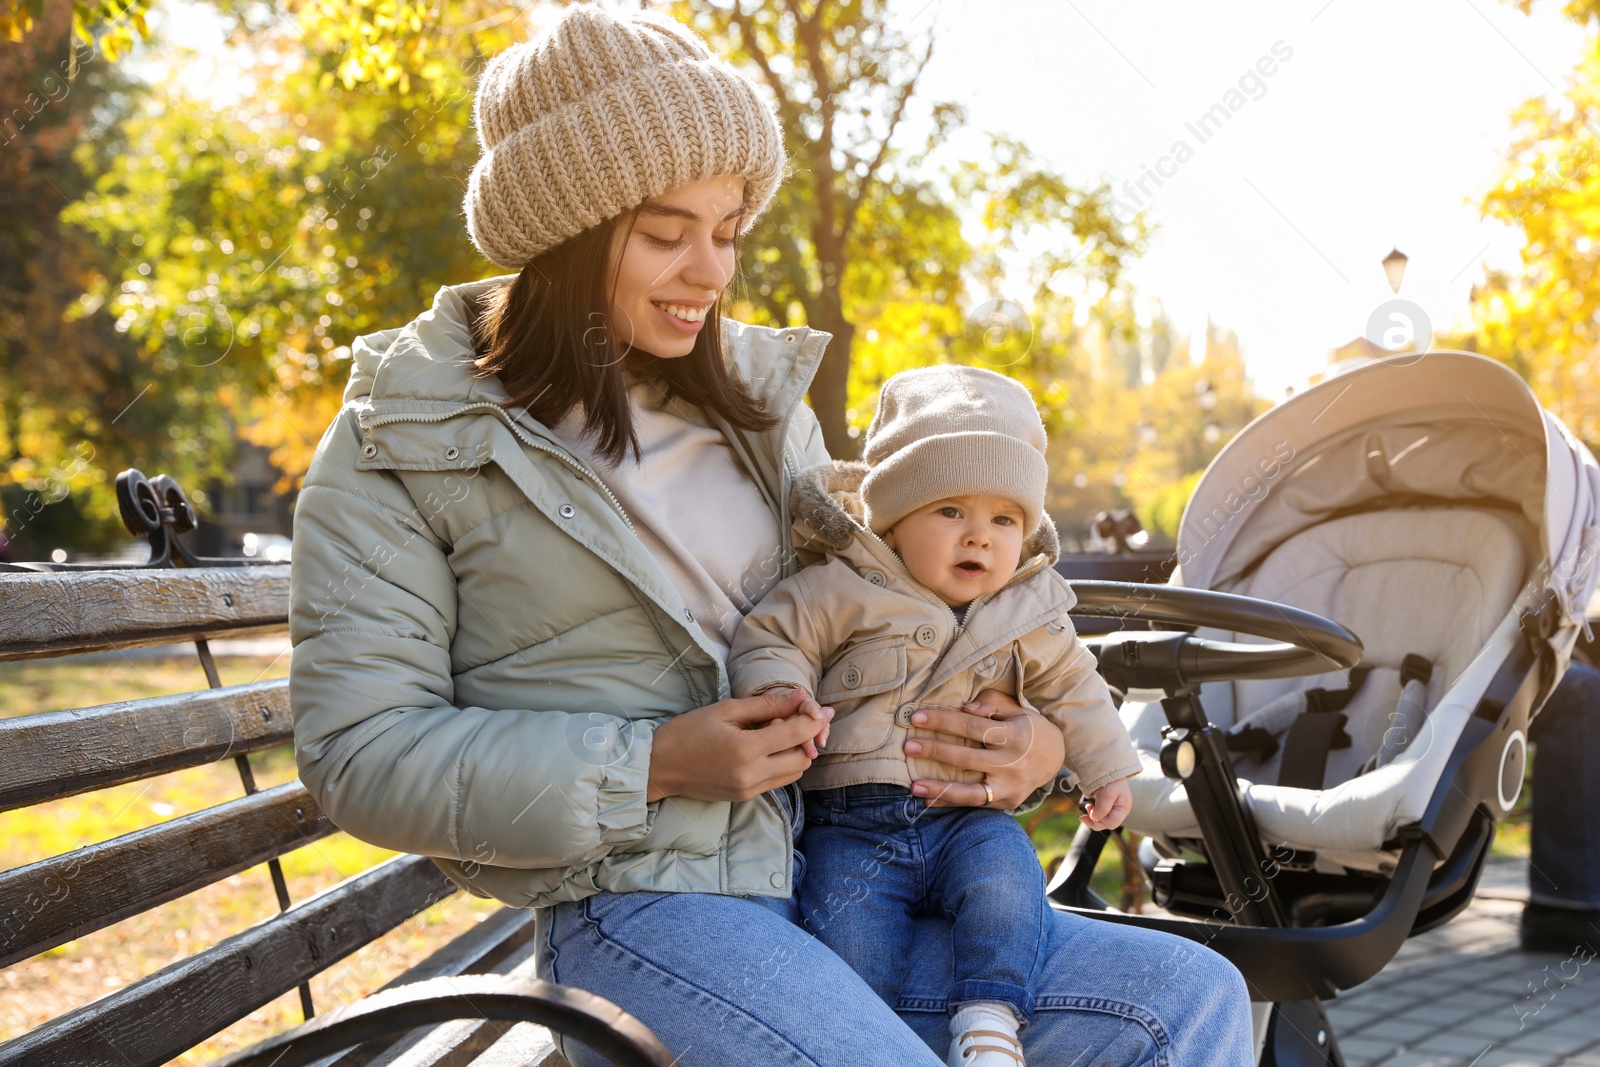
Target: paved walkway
{"x":1465,"y":995}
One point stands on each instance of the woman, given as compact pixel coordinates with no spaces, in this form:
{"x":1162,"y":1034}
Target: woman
{"x":521,"y":551}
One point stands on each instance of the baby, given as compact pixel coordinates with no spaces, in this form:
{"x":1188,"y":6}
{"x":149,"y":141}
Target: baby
{"x":936,"y":585}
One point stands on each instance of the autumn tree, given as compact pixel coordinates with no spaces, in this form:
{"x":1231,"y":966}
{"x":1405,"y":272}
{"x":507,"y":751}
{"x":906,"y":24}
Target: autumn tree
{"x":77,"y":399}
{"x":861,"y":215}
{"x":1544,"y":317}
{"x":271,"y":235}
{"x":107,"y":27}
{"x":1132,"y":415}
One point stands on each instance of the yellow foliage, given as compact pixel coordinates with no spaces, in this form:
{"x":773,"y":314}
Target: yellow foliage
{"x":290,"y":422}
{"x":1544,"y":320}
{"x":385,"y":42}
{"x":1113,"y":442}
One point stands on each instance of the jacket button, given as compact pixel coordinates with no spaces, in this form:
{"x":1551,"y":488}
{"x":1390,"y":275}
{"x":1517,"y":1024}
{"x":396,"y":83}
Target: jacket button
{"x":369,"y":450}
{"x":926,"y":636}
{"x":689,"y":615}
{"x":851,"y":677}
{"x":777,"y":881}
{"x":567,"y":511}
{"x":902,"y":714}
{"x":452,"y":452}
{"x":876,"y":577}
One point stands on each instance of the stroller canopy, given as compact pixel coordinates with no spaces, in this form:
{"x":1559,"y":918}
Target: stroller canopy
{"x":1443,"y":426}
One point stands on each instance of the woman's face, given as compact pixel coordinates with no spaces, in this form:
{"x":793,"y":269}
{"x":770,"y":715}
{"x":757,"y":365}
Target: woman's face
{"x":672,"y":263}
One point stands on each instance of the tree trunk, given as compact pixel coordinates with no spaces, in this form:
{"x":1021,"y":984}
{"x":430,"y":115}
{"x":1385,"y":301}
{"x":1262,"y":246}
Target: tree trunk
{"x":10,"y":416}
{"x":830,"y":388}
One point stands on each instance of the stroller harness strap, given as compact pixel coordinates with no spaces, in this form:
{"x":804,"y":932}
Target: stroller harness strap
{"x":1311,"y":723}
{"x":1257,"y":733}
{"x":1406,"y":721}
{"x":1317,"y":731}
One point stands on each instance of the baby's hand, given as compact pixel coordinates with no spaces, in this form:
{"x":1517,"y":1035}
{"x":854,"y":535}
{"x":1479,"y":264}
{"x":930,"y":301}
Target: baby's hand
{"x":1109,"y":806}
{"x":809,"y":706}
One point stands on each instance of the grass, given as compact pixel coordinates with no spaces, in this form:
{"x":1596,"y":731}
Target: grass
{"x":1052,"y":828}
{"x":66,"y":977}
{"x":52,"y":685}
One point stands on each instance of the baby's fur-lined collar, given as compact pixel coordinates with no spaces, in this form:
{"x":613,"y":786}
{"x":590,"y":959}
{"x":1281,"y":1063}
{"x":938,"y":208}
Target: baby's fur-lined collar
{"x":827,"y":498}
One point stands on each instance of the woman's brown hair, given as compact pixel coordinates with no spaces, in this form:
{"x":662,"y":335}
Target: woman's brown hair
{"x":546,"y":336}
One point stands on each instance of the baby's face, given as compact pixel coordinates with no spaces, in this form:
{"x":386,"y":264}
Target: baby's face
{"x":961,"y":547}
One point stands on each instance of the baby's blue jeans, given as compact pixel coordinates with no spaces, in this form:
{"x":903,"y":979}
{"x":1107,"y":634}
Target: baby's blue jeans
{"x":877,"y":858}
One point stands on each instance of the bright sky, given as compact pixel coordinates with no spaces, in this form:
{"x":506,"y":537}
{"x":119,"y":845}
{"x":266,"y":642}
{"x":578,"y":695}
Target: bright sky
{"x":1382,"y":129}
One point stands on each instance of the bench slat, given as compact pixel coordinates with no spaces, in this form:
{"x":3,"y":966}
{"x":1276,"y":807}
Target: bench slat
{"x":60,"y":753}
{"x":69,"y":612}
{"x":523,"y":1046}
{"x":452,"y":1044}
{"x":161,"y":1016}
{"x":55,"y":900}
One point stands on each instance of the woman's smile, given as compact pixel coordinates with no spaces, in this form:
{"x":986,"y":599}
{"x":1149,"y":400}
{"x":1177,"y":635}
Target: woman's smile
{"x":687,"y":317}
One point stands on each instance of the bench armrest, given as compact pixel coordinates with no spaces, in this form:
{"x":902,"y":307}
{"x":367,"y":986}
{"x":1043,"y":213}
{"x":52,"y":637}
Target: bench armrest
{"x":592,"y":1020}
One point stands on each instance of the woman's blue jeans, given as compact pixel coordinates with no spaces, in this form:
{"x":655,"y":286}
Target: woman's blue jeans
{"x":877,"y":857}
{"x":736,"y":980}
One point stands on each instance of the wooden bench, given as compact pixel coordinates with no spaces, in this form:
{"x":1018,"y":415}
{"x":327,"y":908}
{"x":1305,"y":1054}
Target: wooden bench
{"x":467,"y":997}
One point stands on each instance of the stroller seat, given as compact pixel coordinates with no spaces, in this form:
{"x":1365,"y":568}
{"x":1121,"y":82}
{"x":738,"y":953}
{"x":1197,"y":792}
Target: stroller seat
{"x":1437,"y":584}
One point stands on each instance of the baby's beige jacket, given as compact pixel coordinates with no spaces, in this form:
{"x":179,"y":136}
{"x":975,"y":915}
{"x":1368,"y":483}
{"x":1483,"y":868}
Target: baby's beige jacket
{"x":870,"y":641}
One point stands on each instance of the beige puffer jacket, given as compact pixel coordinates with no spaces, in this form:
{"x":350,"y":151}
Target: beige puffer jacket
{"x":874,"y":644}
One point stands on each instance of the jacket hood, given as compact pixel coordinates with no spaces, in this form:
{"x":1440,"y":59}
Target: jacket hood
{"x":826,"y":503}
{"x":428,"y":359}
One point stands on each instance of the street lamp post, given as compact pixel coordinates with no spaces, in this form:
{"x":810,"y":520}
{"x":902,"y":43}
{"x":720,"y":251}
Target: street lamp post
{"x":1394,"y":268}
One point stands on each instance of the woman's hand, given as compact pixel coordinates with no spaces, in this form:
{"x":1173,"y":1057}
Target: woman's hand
{"x":1022,"y":751}
{"x":736,"y":749}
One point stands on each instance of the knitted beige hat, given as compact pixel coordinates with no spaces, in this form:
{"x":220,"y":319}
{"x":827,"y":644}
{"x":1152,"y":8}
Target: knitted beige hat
{"x":596,"y":116}
{"x":948,"y":431}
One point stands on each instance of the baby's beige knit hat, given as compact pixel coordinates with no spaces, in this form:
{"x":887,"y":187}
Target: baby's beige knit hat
{"x":599,"y":114}
{"x":946,"y":431}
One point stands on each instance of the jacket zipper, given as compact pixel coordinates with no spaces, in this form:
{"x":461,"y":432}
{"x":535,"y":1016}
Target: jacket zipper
{"x":972,"y":609}
{"x":523,"y":436}
{"x":980,"y":601}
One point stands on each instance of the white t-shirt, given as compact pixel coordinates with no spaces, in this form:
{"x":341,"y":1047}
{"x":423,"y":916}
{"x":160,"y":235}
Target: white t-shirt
{"x":697,"y":510}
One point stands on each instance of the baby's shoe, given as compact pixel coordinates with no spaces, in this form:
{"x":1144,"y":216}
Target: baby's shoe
{"x":985,"y":1048}
{"x":984,"y":1035}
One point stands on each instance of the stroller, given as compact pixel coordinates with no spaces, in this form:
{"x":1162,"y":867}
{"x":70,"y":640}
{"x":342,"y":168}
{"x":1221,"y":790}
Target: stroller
{"x":1311,"y":799}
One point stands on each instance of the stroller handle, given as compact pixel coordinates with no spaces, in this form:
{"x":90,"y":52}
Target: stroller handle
{"x":1299,"y":642}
